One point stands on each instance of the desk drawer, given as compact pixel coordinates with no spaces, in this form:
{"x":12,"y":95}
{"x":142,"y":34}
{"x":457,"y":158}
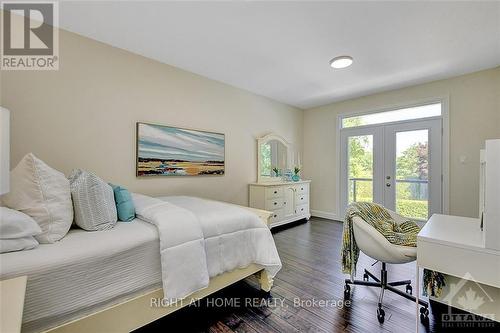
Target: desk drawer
{"x":483,"y":266}
{"x":274,"y":204}
{"x":274,"y":192}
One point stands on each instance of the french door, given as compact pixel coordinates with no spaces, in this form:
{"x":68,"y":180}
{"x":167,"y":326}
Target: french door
{"x":397,"y":165}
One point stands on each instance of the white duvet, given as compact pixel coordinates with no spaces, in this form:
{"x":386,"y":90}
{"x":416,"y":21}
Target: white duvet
{"x":202,"y":238}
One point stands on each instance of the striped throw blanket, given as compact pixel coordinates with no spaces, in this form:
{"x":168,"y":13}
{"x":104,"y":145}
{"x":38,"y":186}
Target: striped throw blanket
{"x":378,"y":217}
{"x":404,"y":234}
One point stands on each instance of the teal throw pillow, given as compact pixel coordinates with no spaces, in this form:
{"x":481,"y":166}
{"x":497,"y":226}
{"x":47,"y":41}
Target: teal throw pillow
{"x":124,"y":204}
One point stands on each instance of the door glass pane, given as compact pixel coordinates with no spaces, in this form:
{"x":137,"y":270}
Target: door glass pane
{"x":412,"y":174}
{"x":416,"y":112}
{"x":360,"y":168}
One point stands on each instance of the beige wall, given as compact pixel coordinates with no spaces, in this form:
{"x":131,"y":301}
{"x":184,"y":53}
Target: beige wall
{"x":84,"y":115}
{"x":474,"y":115}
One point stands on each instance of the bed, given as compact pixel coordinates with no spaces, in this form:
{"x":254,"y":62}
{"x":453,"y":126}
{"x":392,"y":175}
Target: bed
{"x":92,"y":281}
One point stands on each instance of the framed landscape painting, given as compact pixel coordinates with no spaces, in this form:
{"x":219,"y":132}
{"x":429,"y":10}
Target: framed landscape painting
{"x":174,"y":151}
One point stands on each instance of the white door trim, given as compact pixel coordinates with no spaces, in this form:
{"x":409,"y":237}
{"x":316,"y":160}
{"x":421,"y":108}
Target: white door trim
{"x":445,"y":141}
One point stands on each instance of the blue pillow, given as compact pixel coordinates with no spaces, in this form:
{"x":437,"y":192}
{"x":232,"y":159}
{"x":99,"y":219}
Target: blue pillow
{"x":124,"y":204}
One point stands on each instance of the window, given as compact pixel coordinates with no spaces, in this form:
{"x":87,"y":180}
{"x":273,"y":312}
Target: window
{"x":416,"y":112}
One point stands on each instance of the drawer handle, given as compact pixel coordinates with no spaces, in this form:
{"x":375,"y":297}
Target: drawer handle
{"x":302,"y":209}
{"x":302,"y":189}
{"x":275,"y":215}
{"x":275,"y":192}
{"x":284,"y":203}
{"x":301,"y":198}
{"x":275,"y":203}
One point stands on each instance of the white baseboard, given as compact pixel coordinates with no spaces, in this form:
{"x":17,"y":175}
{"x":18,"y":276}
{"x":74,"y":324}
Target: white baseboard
{"x":326,"y":215}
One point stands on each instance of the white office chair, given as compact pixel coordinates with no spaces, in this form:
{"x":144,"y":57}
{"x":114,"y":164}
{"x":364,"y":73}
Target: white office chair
{"x":376,"y":246}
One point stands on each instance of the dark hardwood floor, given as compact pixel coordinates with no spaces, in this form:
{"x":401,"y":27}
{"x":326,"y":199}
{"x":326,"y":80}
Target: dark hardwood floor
{"x":310,"y":253}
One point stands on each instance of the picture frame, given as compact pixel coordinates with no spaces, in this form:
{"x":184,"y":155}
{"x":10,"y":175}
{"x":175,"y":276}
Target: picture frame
{"x":163,"y":150}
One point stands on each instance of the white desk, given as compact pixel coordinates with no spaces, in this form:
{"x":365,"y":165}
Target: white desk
{"x":454,"y":246}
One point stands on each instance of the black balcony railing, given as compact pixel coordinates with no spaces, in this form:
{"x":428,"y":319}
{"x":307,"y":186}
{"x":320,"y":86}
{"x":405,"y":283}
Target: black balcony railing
{"x":417,"y":191}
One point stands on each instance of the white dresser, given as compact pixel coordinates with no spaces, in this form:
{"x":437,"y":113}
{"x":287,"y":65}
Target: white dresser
{"x":288,"y":201}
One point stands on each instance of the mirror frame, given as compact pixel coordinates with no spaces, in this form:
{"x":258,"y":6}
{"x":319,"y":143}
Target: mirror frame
{"x":265,"y":139}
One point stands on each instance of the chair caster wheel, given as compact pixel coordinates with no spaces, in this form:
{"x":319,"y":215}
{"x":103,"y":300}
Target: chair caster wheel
{"x":365,"y":277}
{"x":424,"y":314}
{"x":347,"y":291}
{"x":380,"y":315}
{"x":409,"y":289}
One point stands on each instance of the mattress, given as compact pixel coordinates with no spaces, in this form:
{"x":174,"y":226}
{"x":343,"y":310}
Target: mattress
{"x":85,"y":272}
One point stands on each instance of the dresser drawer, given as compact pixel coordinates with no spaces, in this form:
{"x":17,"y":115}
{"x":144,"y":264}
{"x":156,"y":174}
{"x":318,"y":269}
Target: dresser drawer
{"x":274,"y":204}
{"x":302,"y":209}
{"x":274,"y":192}
{"x":276,"y":216}
{"x":301,"y":199}
{"x":302,"y":188}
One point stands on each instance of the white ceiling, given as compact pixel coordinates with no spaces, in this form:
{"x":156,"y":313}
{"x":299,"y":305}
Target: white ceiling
{"x":281,"y":49}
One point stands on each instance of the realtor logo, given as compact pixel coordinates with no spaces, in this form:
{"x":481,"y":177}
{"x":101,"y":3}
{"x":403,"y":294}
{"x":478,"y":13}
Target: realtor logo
{"x":29,"y":39}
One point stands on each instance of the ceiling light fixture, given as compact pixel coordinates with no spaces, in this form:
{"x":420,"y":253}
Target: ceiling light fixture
{"x":341,"y":62}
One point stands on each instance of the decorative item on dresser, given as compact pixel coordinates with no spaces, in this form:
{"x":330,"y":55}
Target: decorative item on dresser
{"x":287,"y":200}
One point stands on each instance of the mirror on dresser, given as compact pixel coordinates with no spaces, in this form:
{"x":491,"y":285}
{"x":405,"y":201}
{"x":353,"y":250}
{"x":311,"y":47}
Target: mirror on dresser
{"x":288,"y":201}
{"x":273,"y":153}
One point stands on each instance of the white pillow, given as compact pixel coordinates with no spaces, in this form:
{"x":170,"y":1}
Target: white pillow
{"x":17,"y":244}
{"x":42,"y":193}
{"x":93,"y":201}
{"x":14,"y":224}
